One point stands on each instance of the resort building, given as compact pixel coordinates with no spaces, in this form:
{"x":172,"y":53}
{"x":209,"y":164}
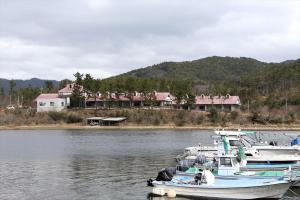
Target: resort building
{"x":67,"y":91}
{"x":61,"y":100}
{"x":56,"y":101}
{"x":50,"y":102}
{"x":164,"y":98}
{"x":121,"y":100}
{"x":221,"y":103}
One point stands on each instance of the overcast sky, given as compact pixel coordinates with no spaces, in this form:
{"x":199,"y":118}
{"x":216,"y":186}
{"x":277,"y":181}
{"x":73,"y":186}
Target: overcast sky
{"x":53,"y":39}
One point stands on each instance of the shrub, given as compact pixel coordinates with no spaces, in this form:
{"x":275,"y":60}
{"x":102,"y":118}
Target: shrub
{"x":225,"y":119}
{"x":180,"y":119}
{"x":257,"y":118}
{"x":234,"y":115}
{"x":57,"y":116}
{"x":214,"y":115}
{"x":200,"y":119}
{"x":156,"y":121}
{"x":73,"y":118}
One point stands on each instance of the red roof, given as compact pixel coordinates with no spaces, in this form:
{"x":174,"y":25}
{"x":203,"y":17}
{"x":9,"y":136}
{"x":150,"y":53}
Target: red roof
{"x":163,"y":96}
{"x":122,"y":98}
{"x":114,"y":97}
{"x":92,"y":99}
{"x":138,"y":98}
{"x":205,"y":100}
{"x":69,"y":88}
{"x":48,"y":96}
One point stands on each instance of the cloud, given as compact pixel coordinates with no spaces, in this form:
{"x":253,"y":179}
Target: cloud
{"x":55,"y":39}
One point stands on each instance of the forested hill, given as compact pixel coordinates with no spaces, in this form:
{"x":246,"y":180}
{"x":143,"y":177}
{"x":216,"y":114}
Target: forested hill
{"x":34,"y":82}
{"x":206,"y":70}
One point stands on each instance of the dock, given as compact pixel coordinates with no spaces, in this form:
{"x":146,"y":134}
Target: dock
{"x":105,"y":121}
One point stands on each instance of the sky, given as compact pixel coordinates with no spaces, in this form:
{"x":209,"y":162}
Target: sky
{"x":55,"y":39}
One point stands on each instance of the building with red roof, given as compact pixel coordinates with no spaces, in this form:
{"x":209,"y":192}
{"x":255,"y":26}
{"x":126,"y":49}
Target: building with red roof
{"x":50,"y":102}
{"x":164,"y":98}
{"x":61,"y":100}
{"x":221,"y":103}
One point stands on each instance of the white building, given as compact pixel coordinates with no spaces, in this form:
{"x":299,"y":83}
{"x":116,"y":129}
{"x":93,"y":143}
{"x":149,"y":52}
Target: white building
{"x":66,"y":93}
{"x":50,"y":102}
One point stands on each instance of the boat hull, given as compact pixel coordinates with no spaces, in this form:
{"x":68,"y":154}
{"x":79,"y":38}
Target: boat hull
{"x":274,"y":191}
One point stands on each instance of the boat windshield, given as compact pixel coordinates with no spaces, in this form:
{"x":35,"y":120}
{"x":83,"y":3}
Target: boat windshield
{"x":249,"y":140}
{"x":235,"y":143}
{"x":225,"y":162}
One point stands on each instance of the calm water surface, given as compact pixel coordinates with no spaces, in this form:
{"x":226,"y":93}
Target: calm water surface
{"x":69,"y":164}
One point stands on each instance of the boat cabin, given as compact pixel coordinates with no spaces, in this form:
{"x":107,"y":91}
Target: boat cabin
{"x":227,"y":165}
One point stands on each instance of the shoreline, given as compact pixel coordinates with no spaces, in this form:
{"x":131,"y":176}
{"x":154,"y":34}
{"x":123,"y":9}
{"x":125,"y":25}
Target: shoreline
{"x":137,"y":127}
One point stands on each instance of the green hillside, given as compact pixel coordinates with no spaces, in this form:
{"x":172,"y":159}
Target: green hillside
{"x":206,"y":70}
{"x":260,"y":83}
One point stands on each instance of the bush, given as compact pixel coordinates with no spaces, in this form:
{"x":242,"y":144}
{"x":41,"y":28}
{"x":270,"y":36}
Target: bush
{"x":234,"y":115}
{"x":257,"y":118}
{"x":274,"y":120}
{"x":200,"y":119}
{"x":57,"y":116}
{"x":72,"y":118}
{"x":180,"y":119}
{"x":225,"y":119}
{"x":156,"y":121}
{"x":214,"y":116}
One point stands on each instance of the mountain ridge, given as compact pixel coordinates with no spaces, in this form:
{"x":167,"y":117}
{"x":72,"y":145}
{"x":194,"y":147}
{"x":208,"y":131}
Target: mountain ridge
{"x":205,"y":70}
{"x":33,"y":82}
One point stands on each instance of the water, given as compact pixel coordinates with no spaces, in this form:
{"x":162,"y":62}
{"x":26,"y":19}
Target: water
{"x":89,"y":164}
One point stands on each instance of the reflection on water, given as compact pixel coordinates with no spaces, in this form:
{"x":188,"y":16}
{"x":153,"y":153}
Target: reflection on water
{"x":88,"y":164}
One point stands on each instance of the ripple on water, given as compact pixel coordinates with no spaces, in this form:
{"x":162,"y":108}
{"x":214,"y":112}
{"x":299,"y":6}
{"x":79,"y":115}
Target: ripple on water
{"x":89,"y":164}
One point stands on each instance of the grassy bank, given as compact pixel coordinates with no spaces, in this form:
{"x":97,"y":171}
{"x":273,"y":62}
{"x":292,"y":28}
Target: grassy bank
{"x":150,"y":119}
{"x":137,"y":127}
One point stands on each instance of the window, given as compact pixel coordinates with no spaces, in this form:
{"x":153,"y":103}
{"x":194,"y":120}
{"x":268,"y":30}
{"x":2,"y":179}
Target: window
{"x":42,"y":103}
{"x":62,"y":103}
{"x":51,"y":103}
{"x":234,"y":143}
{"x":225,"y":162}
{"x":202,"y":108}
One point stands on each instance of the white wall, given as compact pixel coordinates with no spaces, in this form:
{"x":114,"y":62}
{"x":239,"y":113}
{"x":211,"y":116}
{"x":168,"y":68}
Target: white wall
{"x":56,"y":104}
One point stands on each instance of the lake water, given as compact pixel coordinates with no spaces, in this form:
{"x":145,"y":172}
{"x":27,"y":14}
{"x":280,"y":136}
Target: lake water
{"x":90,"y":164}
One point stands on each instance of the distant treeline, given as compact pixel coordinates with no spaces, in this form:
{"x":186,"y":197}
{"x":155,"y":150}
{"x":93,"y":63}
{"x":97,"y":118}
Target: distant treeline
{"x":275,"y":86}
{"x":272,"y":85}
{"x":181,"y":89}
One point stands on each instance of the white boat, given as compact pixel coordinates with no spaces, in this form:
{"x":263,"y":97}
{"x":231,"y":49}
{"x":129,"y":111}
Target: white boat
{"x":230,"y":167}
{"x":231,"y":188}
{"x":203,"y":183}
{"x":257,"y":153}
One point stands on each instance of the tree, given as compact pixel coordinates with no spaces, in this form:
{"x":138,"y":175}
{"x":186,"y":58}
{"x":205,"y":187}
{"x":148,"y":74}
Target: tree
{"x":28,"y":95}
{"x":2,"y":92}
{"x":12,"y":85}
{"x":49,"y":86}
{"x":63,"y":83}
{"x":88,"y":84}
{"x":77,"y":99}
{"x":130,"y":85}
{"x":182,"y":90}
{"x":147,"y":87}
{"x":1,"y":95}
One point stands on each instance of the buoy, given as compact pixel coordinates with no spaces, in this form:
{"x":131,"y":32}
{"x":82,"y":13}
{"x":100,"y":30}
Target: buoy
{"x":171,"y":193}
{"x":159,"y":191}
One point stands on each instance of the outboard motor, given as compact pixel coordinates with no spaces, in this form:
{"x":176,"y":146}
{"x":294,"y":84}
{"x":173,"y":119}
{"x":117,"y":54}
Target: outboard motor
{"x":198,"y":178}
{"x":166,"y":174}
{"x":295,"y":142}
{"x":273,"y":143}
